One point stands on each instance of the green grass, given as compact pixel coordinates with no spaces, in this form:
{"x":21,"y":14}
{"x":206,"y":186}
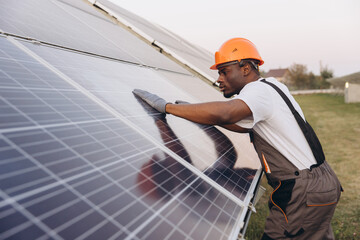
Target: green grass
{"x":338,"y":127}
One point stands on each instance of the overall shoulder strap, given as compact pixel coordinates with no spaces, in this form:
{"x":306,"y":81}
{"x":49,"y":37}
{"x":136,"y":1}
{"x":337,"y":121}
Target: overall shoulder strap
{"x":282,"y":94}
{"x":296,"y":114}
{"x":305,"y":127}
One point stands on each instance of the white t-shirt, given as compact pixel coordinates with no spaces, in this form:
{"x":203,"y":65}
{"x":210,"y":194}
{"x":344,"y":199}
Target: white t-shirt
{"x":273,"y":121}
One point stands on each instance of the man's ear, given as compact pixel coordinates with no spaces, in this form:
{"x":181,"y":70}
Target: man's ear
{"x":246,"y":69}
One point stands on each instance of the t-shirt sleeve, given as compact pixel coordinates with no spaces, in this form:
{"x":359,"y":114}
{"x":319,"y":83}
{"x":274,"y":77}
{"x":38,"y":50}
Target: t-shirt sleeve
{"x":259,"y":100}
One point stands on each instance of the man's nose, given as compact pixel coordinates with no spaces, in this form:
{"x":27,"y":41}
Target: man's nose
{"x":220,"y":79}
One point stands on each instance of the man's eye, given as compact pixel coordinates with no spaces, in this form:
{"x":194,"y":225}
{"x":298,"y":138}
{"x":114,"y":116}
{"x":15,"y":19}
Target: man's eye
{"x":222,"y":72}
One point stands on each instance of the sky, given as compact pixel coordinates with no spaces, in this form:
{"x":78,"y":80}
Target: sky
{"x":313,"y":33}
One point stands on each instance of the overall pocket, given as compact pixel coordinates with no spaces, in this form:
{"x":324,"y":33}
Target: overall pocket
{"x":320,"y":207}
{"x":317,"y":199}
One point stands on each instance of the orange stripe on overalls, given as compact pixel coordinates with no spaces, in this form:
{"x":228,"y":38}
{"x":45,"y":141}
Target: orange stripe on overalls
{"x":266,"y":165}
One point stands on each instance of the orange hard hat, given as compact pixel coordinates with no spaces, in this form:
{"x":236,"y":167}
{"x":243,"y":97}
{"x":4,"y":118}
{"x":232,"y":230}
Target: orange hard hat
{"x":236,"y":49}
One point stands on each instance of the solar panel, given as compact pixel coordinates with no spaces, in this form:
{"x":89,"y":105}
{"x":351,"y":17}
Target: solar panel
{"x":185,"y":52}
{"x":58,"y":22}
{"x":82,"y":157}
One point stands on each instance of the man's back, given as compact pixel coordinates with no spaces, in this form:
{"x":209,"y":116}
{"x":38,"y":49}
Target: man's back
{"x":274,"y":122}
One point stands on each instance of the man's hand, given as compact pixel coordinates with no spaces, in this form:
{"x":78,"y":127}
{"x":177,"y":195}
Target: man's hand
{"x":153,"y":100}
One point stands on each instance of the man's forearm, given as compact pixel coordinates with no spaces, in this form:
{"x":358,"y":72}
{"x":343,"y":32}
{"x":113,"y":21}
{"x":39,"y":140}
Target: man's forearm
{"x":211,"y":113}
{"x":204,"y":113}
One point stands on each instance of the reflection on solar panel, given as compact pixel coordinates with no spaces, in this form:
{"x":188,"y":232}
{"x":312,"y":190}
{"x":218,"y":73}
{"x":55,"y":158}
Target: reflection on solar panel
{"x":82,"y":157}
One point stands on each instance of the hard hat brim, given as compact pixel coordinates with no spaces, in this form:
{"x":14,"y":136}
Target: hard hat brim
{"x":214,"y":67}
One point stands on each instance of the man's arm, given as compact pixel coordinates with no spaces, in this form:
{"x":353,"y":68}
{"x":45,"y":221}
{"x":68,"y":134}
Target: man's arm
{"x":231,"y":127}
{"x":211,"y":113}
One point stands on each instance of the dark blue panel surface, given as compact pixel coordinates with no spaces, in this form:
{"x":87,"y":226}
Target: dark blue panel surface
{"x":31,"y":94}
{"x":26,"y":107}
{"x":199,"y":212}
{"x":18,"y":69}
{"x":76,"y":193}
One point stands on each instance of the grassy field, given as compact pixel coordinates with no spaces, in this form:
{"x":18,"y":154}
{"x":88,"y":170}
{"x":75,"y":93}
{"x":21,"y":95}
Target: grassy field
{"x":338,"y":127}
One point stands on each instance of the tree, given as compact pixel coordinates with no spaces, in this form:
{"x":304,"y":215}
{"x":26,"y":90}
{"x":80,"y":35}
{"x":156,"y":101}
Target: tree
{"x":298,"y":77}
{"x":325,"y":73}
{"x":315,"y":81}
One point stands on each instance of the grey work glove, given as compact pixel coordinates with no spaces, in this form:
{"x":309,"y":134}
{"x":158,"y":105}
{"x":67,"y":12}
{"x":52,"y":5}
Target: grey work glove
{"x":153,"y":100}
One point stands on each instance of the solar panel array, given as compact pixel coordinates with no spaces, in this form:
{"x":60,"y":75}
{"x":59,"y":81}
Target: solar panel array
{"x":82,"y":157}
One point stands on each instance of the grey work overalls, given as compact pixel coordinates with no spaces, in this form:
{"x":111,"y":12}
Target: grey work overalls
{"x":303,"y":201}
